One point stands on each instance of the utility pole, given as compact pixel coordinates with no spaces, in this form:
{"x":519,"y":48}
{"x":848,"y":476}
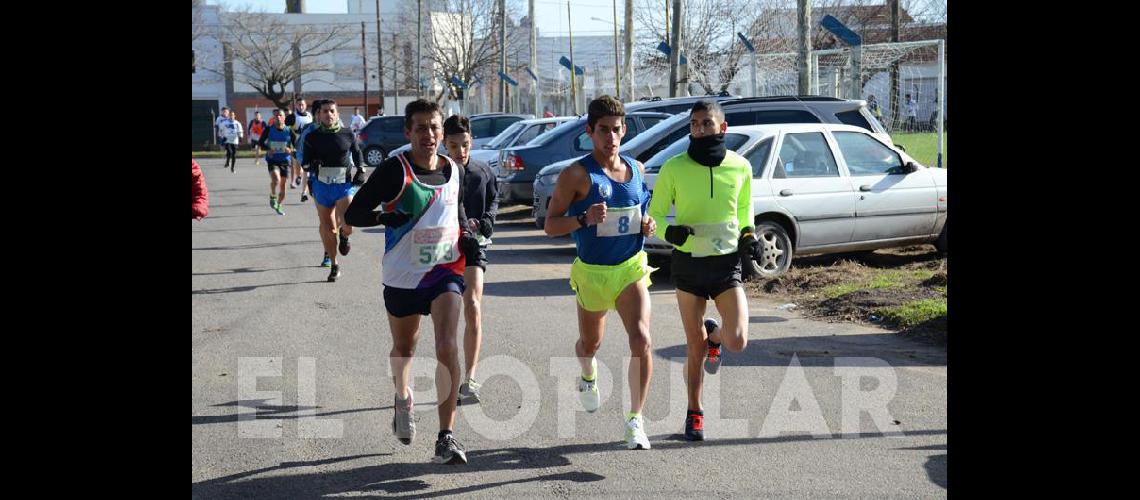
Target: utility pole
{"x":675,"y":49}
{"x":395,"y":75}
{"x":573,"y":80}
{"x":379,"y":61}
{"x":893,"y":112}
{"x":419,"y":47}
{"x":503,"y":54}
{"x":534,"y":60}
{"x":805,"y":47}
{"x":629,"y":47}
{"x":617,"y":66}
{"x":364,"y":57}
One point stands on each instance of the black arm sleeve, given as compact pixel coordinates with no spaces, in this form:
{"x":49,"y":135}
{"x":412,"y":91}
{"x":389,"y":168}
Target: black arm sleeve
{"x":309,"y":152}
{"x":263,"y":140}
{"x":357,"y":158}
{"x":488,"y":222}
{"x":383,"y":186}
{"x":460,"y":171}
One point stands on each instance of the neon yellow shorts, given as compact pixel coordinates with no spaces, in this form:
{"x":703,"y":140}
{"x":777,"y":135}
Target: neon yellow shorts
{"x":598,"y":287}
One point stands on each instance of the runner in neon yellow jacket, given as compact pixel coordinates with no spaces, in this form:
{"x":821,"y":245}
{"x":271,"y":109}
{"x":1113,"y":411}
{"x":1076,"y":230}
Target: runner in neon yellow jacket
{"x":712,"y":231}
{"x":715,"y":201}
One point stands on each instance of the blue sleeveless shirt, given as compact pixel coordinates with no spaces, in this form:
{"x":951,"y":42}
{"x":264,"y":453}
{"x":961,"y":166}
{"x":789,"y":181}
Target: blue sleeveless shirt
{"x":620,"y":236}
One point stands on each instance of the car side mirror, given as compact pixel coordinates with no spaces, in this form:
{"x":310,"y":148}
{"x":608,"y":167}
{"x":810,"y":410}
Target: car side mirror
{"x":910,"y":167}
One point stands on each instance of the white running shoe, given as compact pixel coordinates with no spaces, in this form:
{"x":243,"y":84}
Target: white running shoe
{"x":635,"y":434}
{"x":588,"y":390}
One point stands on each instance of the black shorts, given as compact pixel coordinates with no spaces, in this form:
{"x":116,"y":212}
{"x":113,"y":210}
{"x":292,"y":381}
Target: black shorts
{"x":705,"y":276}
{"x":480,"y":259}
{"x":401,"y":302}
{"x":282,"y":167}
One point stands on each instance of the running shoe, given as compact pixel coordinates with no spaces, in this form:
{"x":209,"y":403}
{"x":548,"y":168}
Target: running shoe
{"x":695,"y":426}
{"x":588,"y":390}
{"x":404,"y":419}
{"x":635,"y":434}
{"x":712,"y":362}
{"x":449,"y":451}
{"x":469,"y":392}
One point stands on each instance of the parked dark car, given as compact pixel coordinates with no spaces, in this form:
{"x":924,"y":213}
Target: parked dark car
{"x":379,"y":136}
{"x":518,"y":165}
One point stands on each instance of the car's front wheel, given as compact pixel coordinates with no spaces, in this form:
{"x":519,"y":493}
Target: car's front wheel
{"x":374,"y":155}
{"x":775,"y":252}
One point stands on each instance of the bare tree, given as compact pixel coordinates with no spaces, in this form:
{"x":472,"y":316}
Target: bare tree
{"x":464,"y":41}
{"x":269,"y":54}
{"x":197,"y":28}
{"x":711,"y":47}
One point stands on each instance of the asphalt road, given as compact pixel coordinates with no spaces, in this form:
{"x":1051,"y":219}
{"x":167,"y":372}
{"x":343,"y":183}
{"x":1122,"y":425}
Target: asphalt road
{"x":291,"y":395}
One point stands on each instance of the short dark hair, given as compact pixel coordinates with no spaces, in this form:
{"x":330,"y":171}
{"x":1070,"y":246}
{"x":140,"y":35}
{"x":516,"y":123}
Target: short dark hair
{"x":419,"y":106}
{"x":457,"y":124}
{"x":317,"y":104}
{"x":227,"y":108}
{"x":602,"y":107}
{"x":709,"y":105}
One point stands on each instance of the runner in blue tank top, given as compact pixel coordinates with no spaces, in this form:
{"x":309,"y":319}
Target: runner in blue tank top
{"x":602,"y":200}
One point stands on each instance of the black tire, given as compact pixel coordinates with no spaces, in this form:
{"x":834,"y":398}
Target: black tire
{"x":940,"y":243}
{"x":374,"y":155}
{"x":777,"y":252}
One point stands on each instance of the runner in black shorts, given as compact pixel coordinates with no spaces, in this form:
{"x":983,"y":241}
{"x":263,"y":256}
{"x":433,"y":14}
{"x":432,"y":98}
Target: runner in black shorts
{"x":427,"y":240}
{"x":712,"y":190}
{"x":480,"y":201}
{"x":279,"y":142}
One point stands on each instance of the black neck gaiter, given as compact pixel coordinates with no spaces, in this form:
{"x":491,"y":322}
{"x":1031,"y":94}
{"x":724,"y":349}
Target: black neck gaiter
{"x":708,"y":150}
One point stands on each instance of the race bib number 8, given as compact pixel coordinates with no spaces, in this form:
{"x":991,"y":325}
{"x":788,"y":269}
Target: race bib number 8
{"x":621,"y":222}
{"x":429,"y":247}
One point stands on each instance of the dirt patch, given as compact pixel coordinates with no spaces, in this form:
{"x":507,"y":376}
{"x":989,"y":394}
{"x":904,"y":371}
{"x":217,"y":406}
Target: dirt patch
{"x":901,"y":289}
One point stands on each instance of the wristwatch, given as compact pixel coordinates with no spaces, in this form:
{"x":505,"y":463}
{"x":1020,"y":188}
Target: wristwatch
{"x":582,"y":220}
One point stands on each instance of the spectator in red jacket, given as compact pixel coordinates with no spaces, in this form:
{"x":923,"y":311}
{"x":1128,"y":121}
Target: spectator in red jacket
{"x":200,"y":197}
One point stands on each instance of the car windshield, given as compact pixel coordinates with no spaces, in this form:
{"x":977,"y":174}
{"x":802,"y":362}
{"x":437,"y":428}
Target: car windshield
{"x":731,"y":141}
{"x":557,"y":131}
{"x":654,"y":133}
{"x":500,"y":141}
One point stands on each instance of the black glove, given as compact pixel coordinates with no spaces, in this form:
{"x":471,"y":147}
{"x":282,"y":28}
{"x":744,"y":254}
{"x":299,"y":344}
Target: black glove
{"x":393,"y":219}
{"x":748,"y":244}
{"x":678,"y":234}
{"x":468,"y":245}
{"x":359,"y":178}
{"x":486,"y":227}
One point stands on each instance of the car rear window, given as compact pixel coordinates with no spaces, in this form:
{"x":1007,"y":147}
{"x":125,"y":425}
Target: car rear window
{"x":854,"y":117}
{"x":502,"y":123}
{"x":393,"y":126}
{"x":782,"y":116}
{"x":662,"y":144}
{"x":481,"y":128}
